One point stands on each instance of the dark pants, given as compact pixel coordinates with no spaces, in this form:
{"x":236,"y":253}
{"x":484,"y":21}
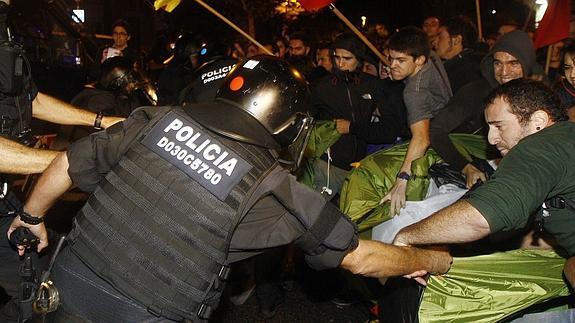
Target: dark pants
{"x":10,"y":262}
{"x":9,"y":277}
{"x":85,"y":297}
{"x":268,"y":276}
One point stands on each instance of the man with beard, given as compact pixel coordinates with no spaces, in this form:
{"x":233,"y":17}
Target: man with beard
{"x":350,"y":97}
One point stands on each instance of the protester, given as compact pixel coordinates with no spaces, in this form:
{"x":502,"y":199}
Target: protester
{"x":426,"y":92}
{"x":513,"y":56}
{"x":506,"y":28}
{"x":431,"y":26}
{"x":299,"y":53}
{"x":565,"y":87}
{"x":455,"y":45}
{"x":349,"y":97}
{"x":535,"y":177}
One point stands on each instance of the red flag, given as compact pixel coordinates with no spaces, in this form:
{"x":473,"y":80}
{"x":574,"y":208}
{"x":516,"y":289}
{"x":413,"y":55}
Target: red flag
{"x":555,"y":23}
{"x":314,"y":4}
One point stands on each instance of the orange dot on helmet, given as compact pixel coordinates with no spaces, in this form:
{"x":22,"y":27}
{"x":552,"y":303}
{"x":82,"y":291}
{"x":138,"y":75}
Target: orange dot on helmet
{"x":237,"y":83}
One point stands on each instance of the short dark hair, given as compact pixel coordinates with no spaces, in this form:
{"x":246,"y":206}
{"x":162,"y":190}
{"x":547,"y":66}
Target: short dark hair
{"x":526,"y":96}
{"x":568,"y":49}
{"x":462,"y":26}
{"x":124,"y":24}
{"x":324,"y":44}
{"x":411,"y":41}
{"x":304,"y":37}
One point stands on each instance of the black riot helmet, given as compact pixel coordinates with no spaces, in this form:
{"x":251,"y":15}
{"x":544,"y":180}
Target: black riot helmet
{"x":186,"y":46}
{"x":116,"y":74}
{"x":210,"y":50}
{"x":263,"y":101}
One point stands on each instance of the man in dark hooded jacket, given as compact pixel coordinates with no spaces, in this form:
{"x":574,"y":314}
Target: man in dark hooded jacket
{"x":512,"y":57}
{"x":350,"y":97}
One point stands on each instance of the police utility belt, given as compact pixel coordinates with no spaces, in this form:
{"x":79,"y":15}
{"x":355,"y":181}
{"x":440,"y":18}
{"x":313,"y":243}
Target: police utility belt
{"x":9,"y":128}
{"x":8,"y":125}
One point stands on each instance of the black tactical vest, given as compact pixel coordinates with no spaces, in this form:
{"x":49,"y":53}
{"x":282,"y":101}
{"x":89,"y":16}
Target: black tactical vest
{"x":158,"y":227}
{"x":16,"y":114}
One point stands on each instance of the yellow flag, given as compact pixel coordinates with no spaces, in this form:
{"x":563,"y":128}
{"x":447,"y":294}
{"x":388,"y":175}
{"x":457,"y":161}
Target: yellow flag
{"x":168,"y":5}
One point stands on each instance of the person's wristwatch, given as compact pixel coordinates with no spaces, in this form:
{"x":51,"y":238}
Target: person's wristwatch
{"x":98,"y":121}
{"x":404,"y":175}
{"x":29,"y":219}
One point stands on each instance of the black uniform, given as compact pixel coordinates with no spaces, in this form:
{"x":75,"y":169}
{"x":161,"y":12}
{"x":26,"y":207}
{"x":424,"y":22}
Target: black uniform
{"x":15,"y":118}
{"x":108,"y":102}
{"x":16,"y":113}
{"x":172,"y":205}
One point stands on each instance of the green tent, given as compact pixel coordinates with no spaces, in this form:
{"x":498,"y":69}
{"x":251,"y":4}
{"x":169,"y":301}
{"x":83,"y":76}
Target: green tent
{"x":366,"y":185}
{"x":489,"y":288}
{"x":323,"y":135}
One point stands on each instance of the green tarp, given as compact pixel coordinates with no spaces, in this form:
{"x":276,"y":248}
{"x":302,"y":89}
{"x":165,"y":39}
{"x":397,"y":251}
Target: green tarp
{"x":489,"y":288}
{"x":366,"y":185}
{"x":485,"y":288}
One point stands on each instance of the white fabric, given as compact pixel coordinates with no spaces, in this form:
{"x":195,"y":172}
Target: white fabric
{"x":437,"y":198}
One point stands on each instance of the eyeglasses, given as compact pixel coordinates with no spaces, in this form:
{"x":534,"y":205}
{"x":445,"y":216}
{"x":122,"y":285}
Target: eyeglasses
{"x":120,"y":34}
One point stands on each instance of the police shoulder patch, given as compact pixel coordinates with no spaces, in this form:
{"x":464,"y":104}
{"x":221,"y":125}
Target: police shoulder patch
{"x":197,"y":153}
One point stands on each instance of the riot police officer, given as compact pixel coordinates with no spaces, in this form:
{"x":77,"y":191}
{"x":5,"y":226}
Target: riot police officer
{"x":179,"y":194}
{"x":19,"y":102}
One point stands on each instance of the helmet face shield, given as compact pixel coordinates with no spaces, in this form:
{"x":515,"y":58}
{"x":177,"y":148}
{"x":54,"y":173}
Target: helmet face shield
{"x":296,"y":149}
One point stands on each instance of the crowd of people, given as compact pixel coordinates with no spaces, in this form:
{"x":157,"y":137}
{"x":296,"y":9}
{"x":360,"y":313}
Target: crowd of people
{"x":185,"y":184}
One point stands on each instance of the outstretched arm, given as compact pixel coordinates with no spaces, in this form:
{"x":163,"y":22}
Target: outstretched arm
{"x":47,"y":108}
{"x":20,"y":159}
{"x":417,"y":147}
{"x":458,"y":223}
{"x":377,"y":259}
{"x":53,"y":183}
